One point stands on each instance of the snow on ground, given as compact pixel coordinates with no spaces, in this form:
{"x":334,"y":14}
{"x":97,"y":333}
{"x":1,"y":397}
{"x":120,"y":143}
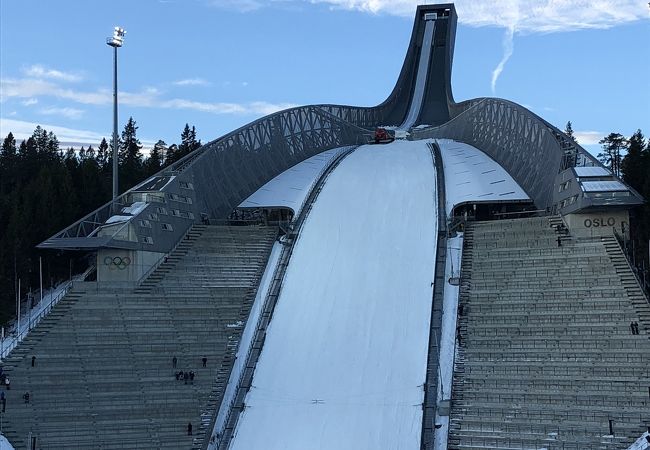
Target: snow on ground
{"x":247,"y":339}
{"x":4,"y":444}
{"x":291,"y":187}
{"x":641,"y":443}
{"x":448,"y":335}
{"x":421,"y":78}
{"x":135,"y":209}
{"x":118,"y":218}
{"x":472,"y":176}
{"x":345,"y":355}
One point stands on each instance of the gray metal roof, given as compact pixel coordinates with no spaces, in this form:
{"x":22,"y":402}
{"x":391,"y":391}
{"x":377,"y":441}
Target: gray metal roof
{"x":592,"y":172}
{"x":603,"y":186}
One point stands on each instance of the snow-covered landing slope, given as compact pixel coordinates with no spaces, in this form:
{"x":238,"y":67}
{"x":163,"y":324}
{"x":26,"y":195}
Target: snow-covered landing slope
{"x":345,"y":354}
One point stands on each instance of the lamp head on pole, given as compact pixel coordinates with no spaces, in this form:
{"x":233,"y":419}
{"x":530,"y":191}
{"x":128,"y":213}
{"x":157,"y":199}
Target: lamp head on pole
{"x":118,"y":37}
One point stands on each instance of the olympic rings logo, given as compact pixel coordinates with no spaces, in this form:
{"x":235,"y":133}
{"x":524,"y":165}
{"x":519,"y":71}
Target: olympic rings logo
{"x":117,"y":262}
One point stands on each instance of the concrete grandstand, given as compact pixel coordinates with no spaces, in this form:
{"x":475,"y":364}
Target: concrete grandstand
{"x":462,"y":287}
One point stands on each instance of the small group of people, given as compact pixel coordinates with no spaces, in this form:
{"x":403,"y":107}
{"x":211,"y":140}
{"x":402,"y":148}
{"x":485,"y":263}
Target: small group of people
{"x":185,"y":376}
{"x":634,"y":327}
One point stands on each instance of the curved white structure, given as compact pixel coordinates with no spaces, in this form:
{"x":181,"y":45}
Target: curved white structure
{"x":291,"y":187}
{"x":471,"y":176}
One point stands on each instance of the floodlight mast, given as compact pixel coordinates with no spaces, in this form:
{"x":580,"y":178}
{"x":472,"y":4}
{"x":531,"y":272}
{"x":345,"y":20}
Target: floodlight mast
{"x":115,"y":41}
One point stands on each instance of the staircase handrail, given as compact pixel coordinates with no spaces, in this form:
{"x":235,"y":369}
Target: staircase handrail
{"x":622,"y":245}
{"x":34,"y":321}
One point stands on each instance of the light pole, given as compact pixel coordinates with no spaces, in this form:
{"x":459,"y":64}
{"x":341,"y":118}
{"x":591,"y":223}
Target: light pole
{"x":116,"y":41}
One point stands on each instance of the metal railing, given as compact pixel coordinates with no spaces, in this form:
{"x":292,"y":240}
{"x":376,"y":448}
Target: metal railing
{"x":9,"y":343}
{"x":641,"y":274}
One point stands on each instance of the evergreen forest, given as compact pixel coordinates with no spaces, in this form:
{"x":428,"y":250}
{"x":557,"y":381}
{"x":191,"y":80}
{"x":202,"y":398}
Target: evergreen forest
{"x":44,"y":188}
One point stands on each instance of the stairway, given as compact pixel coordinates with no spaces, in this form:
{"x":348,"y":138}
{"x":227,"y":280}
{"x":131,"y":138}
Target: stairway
{"x":104,"y":378}
{"x":547,"y":358}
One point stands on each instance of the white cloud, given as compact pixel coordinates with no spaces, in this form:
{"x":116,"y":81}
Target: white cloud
{"x":237,"y":5}
{"x":588,"y":137}
{"x":70,"y":113}
{"x":23,"y":130}
{"x":192,"y":82}
{"x":30,"y":102}
{"x":147,"y":98}
{"x":266,"y":108}
{"x":508,"y":48}
{"x":68,"y":137}
{"x":31,"y":88}
{"x":38,"y":71}
{"x":258,"y":108}
{"x":524,"y":16}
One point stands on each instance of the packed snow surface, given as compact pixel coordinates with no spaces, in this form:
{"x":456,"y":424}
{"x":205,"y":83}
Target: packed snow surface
{"x":345,"y":355}
{"x":135,"y":209}
{"x":472,"y":176}
{"x":421,"y":78}
{"x":4,"y":444}
{"x":291,"y":187}
{"x":117,"y":218}
{"x":641,"y":443}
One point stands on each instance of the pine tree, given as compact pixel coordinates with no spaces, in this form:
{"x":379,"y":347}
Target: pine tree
{"x":172,"y":154}
{"x":90,"y":152}
{"x":155,"y":160}
{"x":130,"y":146}
{"x":188,"y":144}
{"x":70,"y":160}
{"x":130,"y":157}
{"x":633,"y":165}
{"x":612,"y":146}
{"x":7,"y":163}
{"x":8,"y":149}
{"x":102,"y":154}
{"x":52,"y":146}
{"x":41,"y":139}
{"x":568,"y":130}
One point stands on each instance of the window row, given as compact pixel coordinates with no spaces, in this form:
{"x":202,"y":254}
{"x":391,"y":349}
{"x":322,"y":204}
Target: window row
{"x":180,"y":198}
{"x":165,"y":226}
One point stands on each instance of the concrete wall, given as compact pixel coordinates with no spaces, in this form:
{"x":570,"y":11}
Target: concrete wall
{"x":114,"y":265}
{"x":598,"y":223}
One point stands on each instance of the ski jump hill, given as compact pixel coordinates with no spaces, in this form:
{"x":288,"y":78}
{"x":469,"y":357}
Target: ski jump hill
{"x":462,"y":287}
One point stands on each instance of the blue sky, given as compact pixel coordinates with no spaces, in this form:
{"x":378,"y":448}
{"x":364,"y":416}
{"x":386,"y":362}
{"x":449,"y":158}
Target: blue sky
{"x":219,"y":64}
